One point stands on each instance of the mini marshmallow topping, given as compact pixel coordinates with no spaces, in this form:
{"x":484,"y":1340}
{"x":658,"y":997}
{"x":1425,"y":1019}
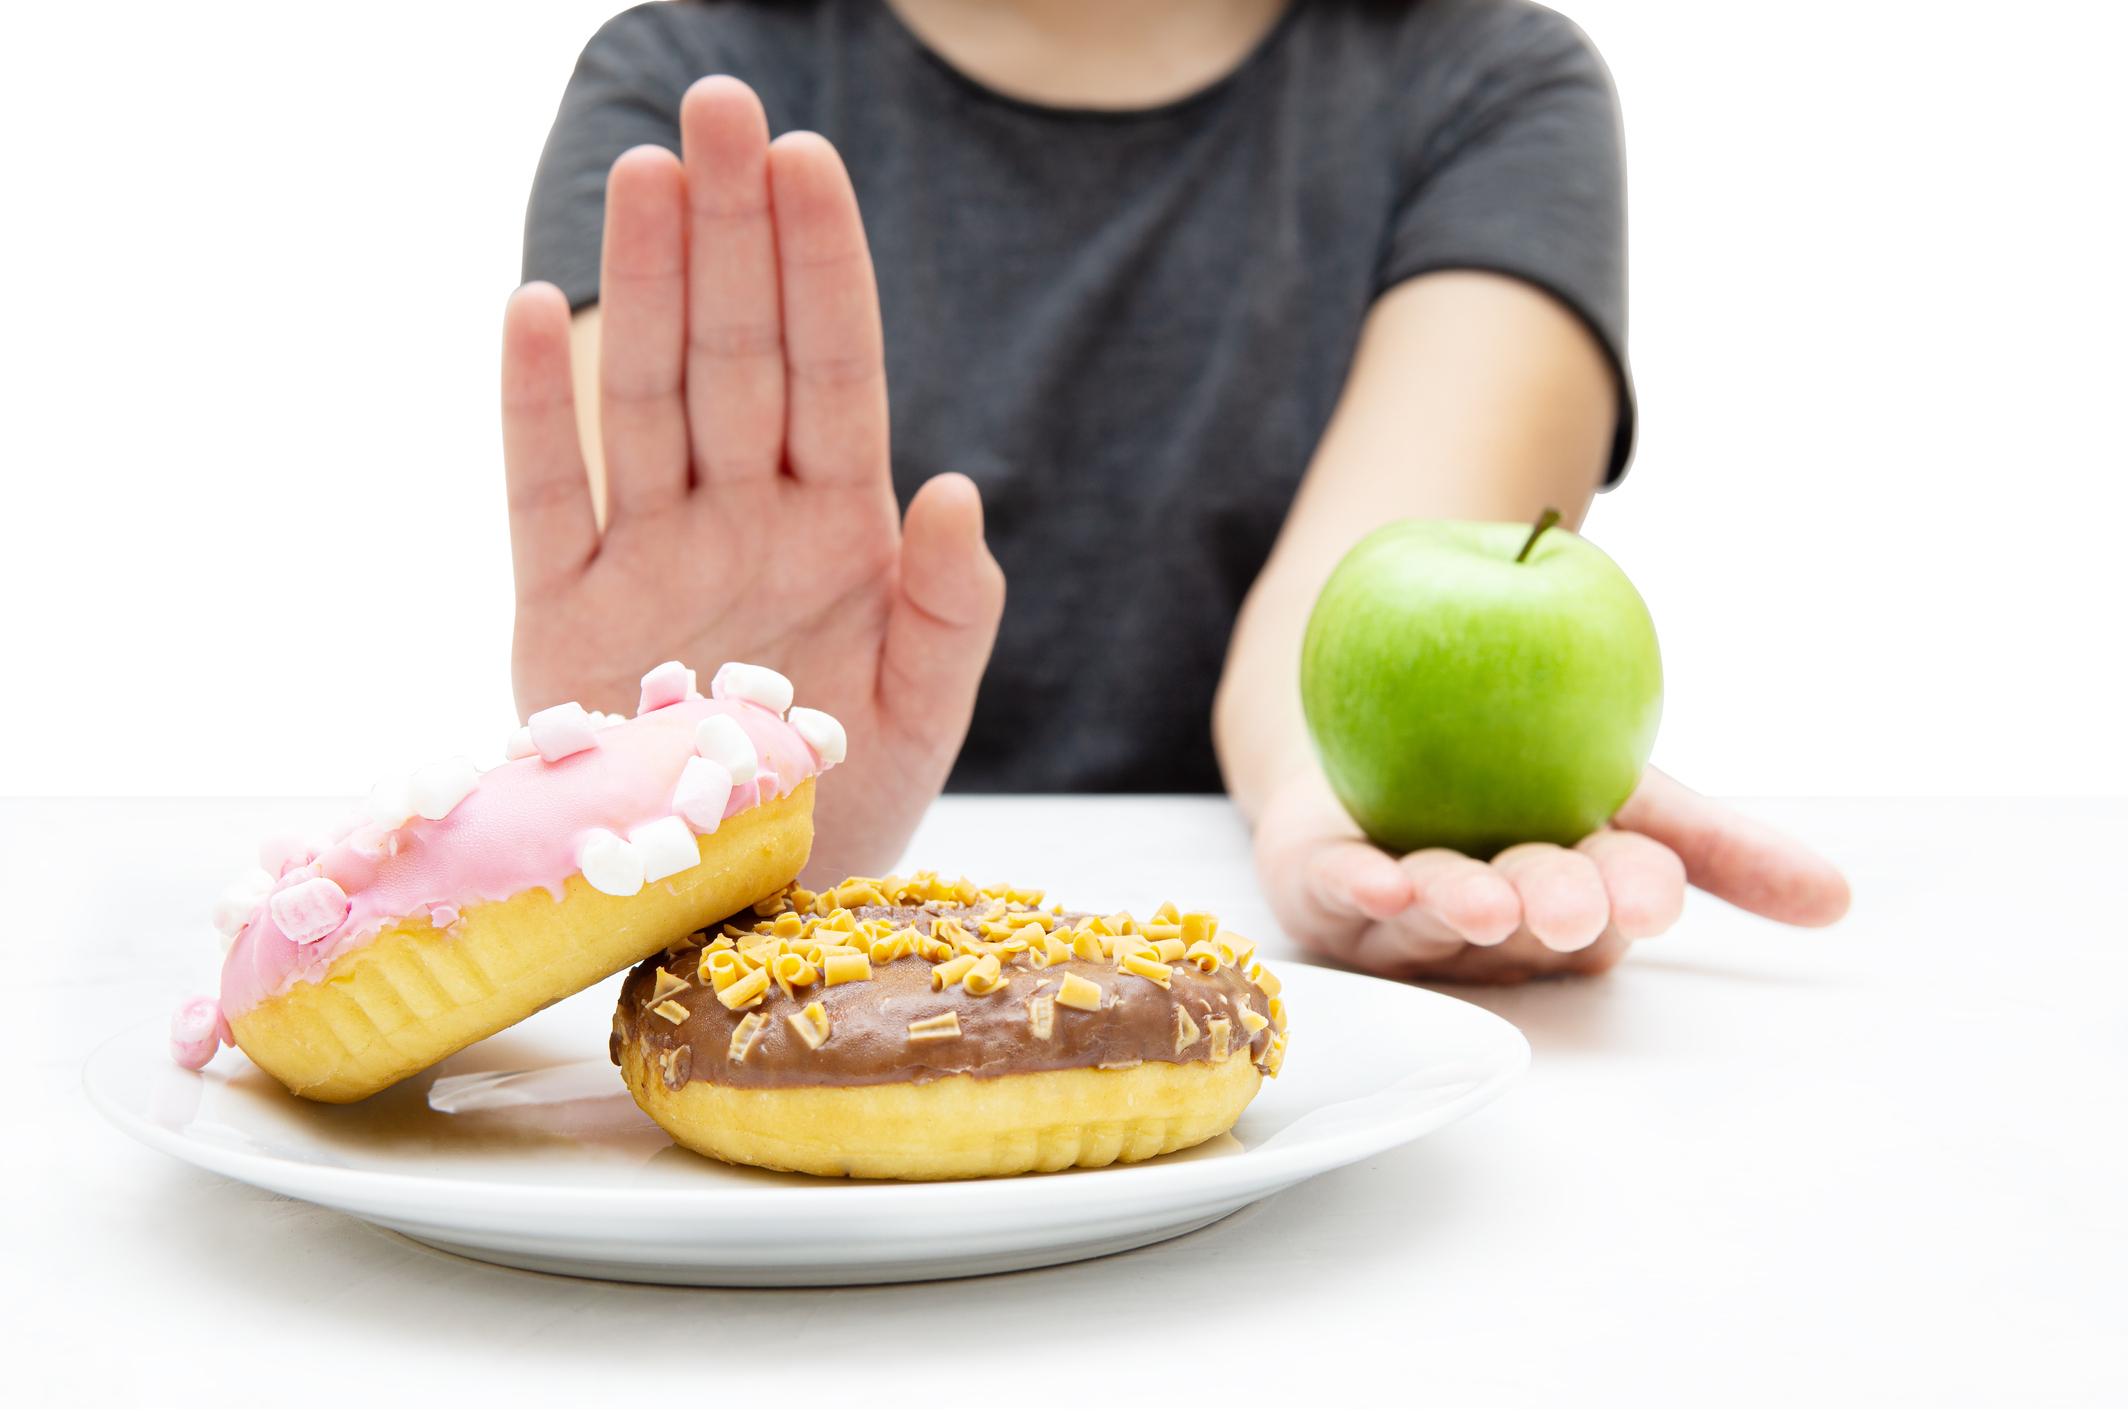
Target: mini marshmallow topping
{"x":821,"y":730}
{"x":195,"y":1032}
{"x":609,"y":864}
{"x":667,"y":684}
{"x":563,"y":730}
{"x":667,"y":847}
{"x":433,"y":791}
{"x":704,"y":792}
{"x":520,"y":745}
{"x":234,"y":907}
{"x":757,"y":684}
{"x":389,"y":805}
{"x":309,"y":910}
{"x":720,"y":740}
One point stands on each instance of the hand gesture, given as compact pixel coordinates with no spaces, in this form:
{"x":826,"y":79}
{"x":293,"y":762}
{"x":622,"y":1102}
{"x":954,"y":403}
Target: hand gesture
{"x":1536,"y":908}
{"x":751,"y":516}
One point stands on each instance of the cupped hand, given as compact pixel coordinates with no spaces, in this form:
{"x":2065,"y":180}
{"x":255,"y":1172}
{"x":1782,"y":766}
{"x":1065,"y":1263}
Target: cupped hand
{"x":751,"y":514}
{"x":1534,"y":909}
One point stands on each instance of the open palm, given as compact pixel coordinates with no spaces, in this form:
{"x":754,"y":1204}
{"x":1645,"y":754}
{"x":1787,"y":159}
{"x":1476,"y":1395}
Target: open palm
{"x":1533,"y":909}
{"x":751,"y":513}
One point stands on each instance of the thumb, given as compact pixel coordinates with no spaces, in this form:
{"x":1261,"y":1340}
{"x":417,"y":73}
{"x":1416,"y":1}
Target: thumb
{"x":1744,"y":861}
{"x":944,"y":618}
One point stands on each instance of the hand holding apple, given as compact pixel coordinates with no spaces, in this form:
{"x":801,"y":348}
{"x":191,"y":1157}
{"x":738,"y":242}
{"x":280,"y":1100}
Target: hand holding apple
{"x":1537,"y":906}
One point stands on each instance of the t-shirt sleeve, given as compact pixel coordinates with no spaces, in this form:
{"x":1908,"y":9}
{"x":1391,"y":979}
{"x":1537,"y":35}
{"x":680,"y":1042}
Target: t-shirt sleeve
{"x":625,"y":91}
{"x":1520,"y":170}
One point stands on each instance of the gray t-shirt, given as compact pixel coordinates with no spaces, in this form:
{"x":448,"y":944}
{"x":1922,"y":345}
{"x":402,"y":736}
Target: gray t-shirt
{"x":1130,"y":329}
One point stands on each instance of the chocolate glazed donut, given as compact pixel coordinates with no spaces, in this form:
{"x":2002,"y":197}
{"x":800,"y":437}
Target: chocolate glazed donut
{"x":923,"y":1029}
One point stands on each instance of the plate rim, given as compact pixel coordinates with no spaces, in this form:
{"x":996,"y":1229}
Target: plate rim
{"x":1266,"y":1168}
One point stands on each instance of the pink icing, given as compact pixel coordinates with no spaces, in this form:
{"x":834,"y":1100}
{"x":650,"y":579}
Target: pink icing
{"x":519,"y":830}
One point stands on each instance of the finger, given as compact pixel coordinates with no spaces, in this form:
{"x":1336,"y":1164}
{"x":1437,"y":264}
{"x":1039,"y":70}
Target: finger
{"x":1563,"y":900}
{"x":643,"y":333}
{"x":836,"y":418}
{"x":1337,"y":891}
{"x":1744,"y":861}
{"x":1644,"y":878}
{"x":1324,"y":882}
{"x":1455,"y":902}
{"x":944,"y":618}
{"x":1326,"y":888}
{"x":734,"y":315}
{"x":552,"y":529}
{"x":1357,"y":879}
{"x":1468,"y":898}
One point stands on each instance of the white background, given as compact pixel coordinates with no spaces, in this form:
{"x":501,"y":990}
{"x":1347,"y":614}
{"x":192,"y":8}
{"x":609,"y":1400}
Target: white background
{"x":254,"y":539}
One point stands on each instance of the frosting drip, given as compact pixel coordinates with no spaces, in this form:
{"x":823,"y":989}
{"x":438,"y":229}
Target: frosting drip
{"x":521,"y":828}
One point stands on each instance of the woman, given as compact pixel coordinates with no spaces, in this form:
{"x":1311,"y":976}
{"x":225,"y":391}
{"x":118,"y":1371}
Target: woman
{"x":1189,"y":296}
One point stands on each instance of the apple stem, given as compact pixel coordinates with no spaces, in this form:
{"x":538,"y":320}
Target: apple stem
{"x":1544,"y":521}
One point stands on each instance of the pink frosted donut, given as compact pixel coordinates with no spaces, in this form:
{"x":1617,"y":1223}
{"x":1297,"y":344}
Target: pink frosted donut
{"x":464,"y":901}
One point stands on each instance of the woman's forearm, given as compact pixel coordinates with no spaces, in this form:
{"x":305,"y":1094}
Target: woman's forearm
{"x":1471,"y":396}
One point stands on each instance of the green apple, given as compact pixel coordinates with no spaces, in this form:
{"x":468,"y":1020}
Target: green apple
{"x":1465,"y":695}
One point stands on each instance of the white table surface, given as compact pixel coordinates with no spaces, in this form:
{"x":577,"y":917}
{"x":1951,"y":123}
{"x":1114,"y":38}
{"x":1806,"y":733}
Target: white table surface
{"x":1881,"y":1164}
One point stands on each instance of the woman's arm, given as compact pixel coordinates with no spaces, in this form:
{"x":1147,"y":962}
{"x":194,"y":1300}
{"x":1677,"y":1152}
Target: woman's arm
{"x":1472,"y":396}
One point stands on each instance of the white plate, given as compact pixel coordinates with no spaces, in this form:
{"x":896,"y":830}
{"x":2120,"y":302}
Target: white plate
{"x":586,"y":1185}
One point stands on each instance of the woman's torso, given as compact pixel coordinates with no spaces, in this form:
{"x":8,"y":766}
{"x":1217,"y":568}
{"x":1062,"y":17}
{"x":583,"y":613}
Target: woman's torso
{"x":1129,"y":329}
